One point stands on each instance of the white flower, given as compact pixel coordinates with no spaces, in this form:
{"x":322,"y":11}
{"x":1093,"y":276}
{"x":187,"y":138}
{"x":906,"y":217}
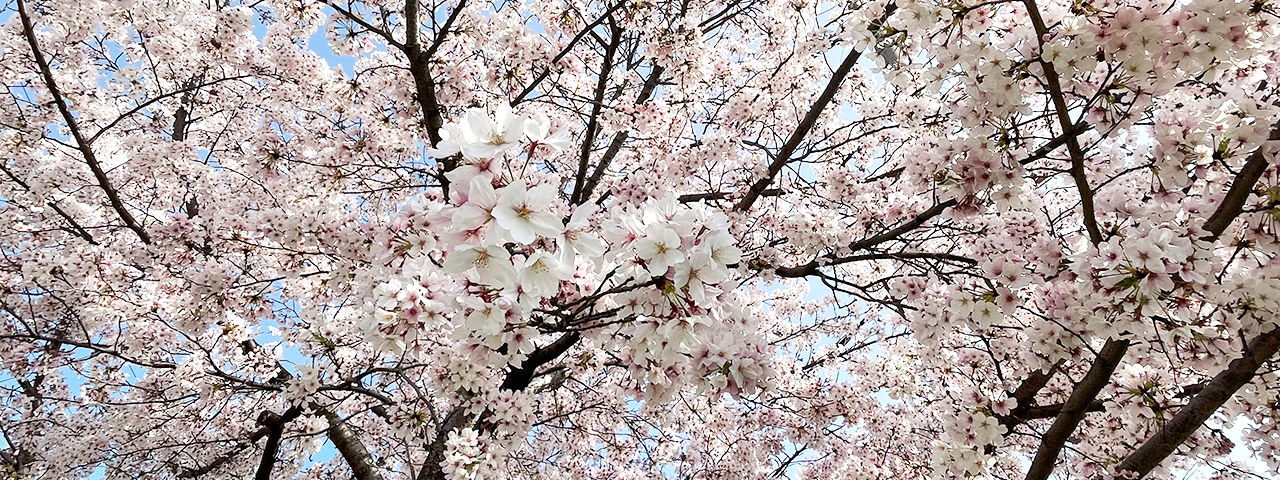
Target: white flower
{"x":479,"y":136}
{"x":522,"y":212}
{"x":722,"y":248}
{"x":538,"y":128}
{"x":697,"y":274}
{"x":988,"y":430}
{"x":478,"y":209}
{"x":485,"y":318}
{"x":986,"y":314}
{"x":577,"y":238}
{"x":493,"y":263}
{"x":492,"y":136}
{"x":661,"y":248}
{"x":541,"y":275}
{"x":1145,"y":254}
{"x":452,"y":137}
{"x":519,"y":344}
{"x":1004,"y":407}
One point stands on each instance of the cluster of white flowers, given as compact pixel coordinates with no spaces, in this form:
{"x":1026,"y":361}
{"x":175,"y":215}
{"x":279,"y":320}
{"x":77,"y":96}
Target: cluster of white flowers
{"x":306,"y":382}
{"x":691,"y":246}
{"x":478,"y":136}
{"x":464,"y":457}
{"x":962,"y":451}
{"x":507,"y":247}
{"x":1148,"y":260}
{"x":402,"y":307}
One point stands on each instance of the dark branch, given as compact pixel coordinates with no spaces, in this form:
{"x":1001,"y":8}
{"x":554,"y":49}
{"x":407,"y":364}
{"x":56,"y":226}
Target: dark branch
{"x":602,"y":83}
{"x":75,"y":227}
{"x":646,"y":92}
{"x":1237,"y":374}
{"x":783,"y":156}
{"x":275,"y":428}
{"x":812,"y":267}
{"x":698,"y":197}
{"x":563,"y":52}
{"x":1073,"y":411}
{"x":1241,"y":188}
{"x":352,"y":449}
{"x":1064,"y":120}
{"x":1025,"y":395}
{"x":519,"y":378}
{"x":82,"y":144}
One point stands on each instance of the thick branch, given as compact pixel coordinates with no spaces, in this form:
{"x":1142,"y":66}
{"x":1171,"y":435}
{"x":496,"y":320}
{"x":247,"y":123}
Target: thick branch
{"x":75,"y":227}
{"x":1026,"y":393}
{"x":698,"y":197}
{"x":411,"y":24}
{"x":783,"y":156}
{"x":432,"y":468}
{"x":1073,"y":411}
{"x":602,"y":83}
{"x":1240,"y":190}
{"x":275,"y":427}
{"x":1020,"y":415}
{"x":646,"y":92}
{"x":1238,"y":373}
{"x":1064,"y":120}
{"x":28,"y":30}
{"x":812,"y":267}
{"x":519,"y":378}
{"x":352,"y":449}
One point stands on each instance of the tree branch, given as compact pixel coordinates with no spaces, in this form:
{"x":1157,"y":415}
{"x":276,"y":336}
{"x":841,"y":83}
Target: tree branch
{"x":698,"y":197}
{"x":1073,"y":411}
{"x":812,"y":267}
{"x":588,"y":141}
{"x":82,"y":144}
{"x":411,"y":24}
{"x":646,"y":92}
{"x":1241,"y":188}
{"x":75,"y":227}
{"x":1237,"y":374}
{"x":563,"y":52}
{"x":157,"y":98}
{"x":275,"y":427}
{"x":360,"y":21}
{"x":352,"y":449}
{"x":519,"y":378}
{"x":1064,"y":121}
{"x":904,"y":228}
{"x":1026,"y":393}
{"x":783,"y":157}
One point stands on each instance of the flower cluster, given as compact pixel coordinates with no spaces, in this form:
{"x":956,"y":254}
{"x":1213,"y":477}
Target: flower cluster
{"x":464,"y":457}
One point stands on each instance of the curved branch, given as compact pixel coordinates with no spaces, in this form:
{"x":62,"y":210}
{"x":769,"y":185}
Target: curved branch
{"x":1088,"y":216}
{"x":352,"y":449}
{"x":783,"y":157}
{"x":1074,"y":410}
{"x":1233,"y":203}
{"x":82,"y":144}
{"x":1237,"y":374}
{"x":275,"y":427}
{"x":152,"y":101}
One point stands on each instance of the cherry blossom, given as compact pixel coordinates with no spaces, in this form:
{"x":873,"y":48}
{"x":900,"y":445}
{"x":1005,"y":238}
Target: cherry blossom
{"x":563,"y":240}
